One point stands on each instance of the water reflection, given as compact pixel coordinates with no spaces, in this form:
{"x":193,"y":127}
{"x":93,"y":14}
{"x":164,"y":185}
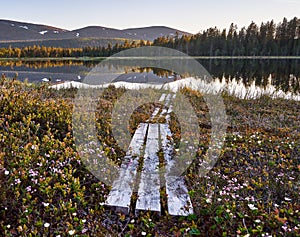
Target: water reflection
{"x":282,"y":75}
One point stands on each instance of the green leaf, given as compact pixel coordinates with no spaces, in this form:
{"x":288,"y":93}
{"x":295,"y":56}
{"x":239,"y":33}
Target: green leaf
{"x":194,"y":231}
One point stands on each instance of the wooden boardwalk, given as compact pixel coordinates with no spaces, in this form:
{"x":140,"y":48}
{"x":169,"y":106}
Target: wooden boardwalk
{"x":149,"y":138}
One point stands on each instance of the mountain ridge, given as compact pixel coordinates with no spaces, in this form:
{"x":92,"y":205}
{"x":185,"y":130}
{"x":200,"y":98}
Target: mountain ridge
{"x":15,"y":32}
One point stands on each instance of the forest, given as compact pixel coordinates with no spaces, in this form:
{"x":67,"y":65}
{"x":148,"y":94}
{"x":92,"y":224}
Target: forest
{"x":268,"y":39}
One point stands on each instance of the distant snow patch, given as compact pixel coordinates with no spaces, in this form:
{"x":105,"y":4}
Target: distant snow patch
{"x":45,"y":79}
{"x":12,"y":24}
{"x":55,"y":32}
{"x":77,"y":34}
{"x":79,"y":77}
{"x":43,"y":32}
{"x":24,"y":27}
{"x":103,"y":28}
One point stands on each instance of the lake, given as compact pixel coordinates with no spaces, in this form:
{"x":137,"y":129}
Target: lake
{"x":239,"y":76}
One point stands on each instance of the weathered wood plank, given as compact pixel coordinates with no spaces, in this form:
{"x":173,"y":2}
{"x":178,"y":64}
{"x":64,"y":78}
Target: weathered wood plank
{"x":168,"y":99}
{"x":162,"y":98}
{"x":149,"y":189}
{"x":121,"y":192}
{"x":179,"y":202}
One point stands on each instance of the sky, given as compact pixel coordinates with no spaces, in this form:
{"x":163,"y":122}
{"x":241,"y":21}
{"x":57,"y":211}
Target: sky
{"x":191,"y":16}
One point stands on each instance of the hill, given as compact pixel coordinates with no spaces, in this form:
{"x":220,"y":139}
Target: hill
{"x":20,"y":34}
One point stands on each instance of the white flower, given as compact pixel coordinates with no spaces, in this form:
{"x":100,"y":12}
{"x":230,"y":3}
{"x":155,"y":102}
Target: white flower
{"x":74,"y":214}
{"x":132,"y":221}
{"x":6,"y":172}
{"x":71,"y":232}
{"x":287,"y":199}
{"x":252,"y":207}
{"x":144,"y":233}
{"x":8,"y":226}
{"x":208,"y":200}
{"x":46,"y":225}
{"x":84,"y":220}
{"x":57,"y":235}
{"x":257,"y":221}
{"x":45,"y":204}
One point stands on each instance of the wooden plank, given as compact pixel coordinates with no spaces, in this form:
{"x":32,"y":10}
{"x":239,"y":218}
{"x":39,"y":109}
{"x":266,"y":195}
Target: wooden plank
{"x":163,"y":112}
{"x":179,"y":202}
{"x":137,"y":140}
{"x":149,"y":189}
{"x":165,"y":109}
{"x":167,"y":112}
{"x":168,"y":99}
{"x":167,"y":144}
{"x":157,"y":109}
{"x":162,"y":98}
{"x":168,"y":116}
{"x":154,"y":113}
{"x":122,"y":189}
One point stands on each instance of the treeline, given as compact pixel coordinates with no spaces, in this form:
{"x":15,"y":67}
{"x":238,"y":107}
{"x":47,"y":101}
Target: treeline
{"x":268,"y":39}
{"x":57,"y":52}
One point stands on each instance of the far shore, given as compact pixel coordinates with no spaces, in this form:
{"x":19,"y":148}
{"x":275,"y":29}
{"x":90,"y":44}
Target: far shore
{"x":102,"y":58}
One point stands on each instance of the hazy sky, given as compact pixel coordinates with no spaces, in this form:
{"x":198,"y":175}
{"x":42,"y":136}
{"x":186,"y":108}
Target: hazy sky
{"x":188,"y":15}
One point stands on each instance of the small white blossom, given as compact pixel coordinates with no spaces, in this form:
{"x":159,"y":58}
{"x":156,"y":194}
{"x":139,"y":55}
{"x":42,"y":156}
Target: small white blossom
{"x":8,"y":226}
{"x":6,"y":172}
{"x":144,"y":233}
{"x":252,"y":207}
{"x":71,"y":232}
{"x":46,"y":225}
{"x":208,"y":200}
